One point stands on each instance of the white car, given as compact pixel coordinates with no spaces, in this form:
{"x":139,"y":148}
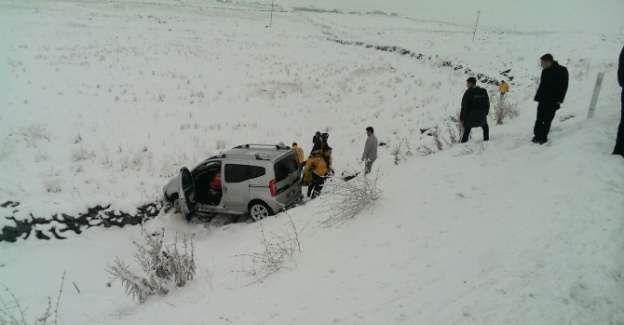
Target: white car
{"x":257,"y":179}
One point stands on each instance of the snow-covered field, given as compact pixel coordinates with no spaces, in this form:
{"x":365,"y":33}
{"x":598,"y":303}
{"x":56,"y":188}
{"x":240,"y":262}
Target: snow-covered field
{"x":102,"y":102}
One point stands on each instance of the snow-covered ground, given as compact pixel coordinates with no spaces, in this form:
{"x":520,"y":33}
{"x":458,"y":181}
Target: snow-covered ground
{"x":102,"y":102}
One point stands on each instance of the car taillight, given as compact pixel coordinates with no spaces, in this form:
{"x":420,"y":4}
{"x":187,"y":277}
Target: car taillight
{"x":272,"y":187}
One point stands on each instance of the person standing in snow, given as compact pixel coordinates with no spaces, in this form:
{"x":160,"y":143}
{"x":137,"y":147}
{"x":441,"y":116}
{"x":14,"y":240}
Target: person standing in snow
{"x":320,"y":141}
{"x":370,"y":150}
{"x":503,"y":88}
{"x":619,"y":141}
{"x":317,"y":168}
{"x":299,"y":151}
{"x":550,"y":94}
{"x":475,"y":107}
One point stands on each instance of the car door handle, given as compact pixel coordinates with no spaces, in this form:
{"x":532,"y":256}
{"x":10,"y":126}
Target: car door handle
{"x":225,"y":189}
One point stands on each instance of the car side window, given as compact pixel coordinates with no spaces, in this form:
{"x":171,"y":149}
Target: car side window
{"x":255,"y":171}
{"x":234,"y":173}
{"x":239,"y":173}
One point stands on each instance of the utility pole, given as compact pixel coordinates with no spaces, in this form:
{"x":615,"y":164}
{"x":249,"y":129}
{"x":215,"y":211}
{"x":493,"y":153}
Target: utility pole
{"x":475,"y":29}
{"x":271,"y":22}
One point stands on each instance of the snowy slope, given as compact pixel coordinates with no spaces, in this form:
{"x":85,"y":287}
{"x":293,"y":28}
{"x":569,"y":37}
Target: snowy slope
{"x":103,"y":102}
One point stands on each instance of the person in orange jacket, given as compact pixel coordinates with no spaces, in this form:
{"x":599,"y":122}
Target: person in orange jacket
{"x":317,"y":168}
{"x":299,"y":152}
{"x":503,"y":87}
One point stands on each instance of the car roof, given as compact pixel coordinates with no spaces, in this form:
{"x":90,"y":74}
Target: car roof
{"x":256,"y":152}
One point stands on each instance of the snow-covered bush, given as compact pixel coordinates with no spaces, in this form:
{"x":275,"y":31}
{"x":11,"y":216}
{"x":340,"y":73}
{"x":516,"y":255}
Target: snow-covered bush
{"x":34,"y":133}
{"x":473,"y":149}
{"x":82,"y":154}
{"x":396,"y":152}
{"x":455,"y":128}
{"x":437,"y":138}
{"x":278,"y":249}
{"x":449,"y":133}
{"x":12,"y":313}
{"x":352,"y":197}
{"x":53,"y":184}
{"x":161,"y":265}
{"x":424,"y":151}
{"x":40,"y":156}
{"x":503,"y":107}
{"x":399,"y":153}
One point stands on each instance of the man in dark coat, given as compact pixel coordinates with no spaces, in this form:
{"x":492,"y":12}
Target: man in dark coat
{"x":550,"y":94}
{"x":317,"y":140}
{"x":475,"y":107}
{"x":619,"y":141}
{"x":320,"y":141}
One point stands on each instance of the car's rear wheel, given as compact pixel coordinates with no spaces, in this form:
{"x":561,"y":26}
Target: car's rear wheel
{"x":259,"y":210}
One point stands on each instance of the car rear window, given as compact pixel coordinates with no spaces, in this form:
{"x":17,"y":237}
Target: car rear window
{"x":286,"y":166}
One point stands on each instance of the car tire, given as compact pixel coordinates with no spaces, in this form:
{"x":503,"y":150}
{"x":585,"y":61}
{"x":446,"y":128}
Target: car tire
{"x":259,"y":210}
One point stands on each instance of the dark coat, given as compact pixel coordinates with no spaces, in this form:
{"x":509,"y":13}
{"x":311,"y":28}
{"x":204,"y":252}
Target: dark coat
{"x":475,"y":107}
{"x":318,"y":143}
{"x":621,"y":69}
{"x":553,"y":84}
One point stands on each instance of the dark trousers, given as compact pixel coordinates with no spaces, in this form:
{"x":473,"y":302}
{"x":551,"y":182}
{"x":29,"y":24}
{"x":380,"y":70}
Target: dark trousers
{"x":486,"y":133}
{"x":545,"y":114}
{"x":315,"y":188}
{"x":619,"y":141}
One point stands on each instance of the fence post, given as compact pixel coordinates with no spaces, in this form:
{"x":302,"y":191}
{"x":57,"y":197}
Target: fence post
{"x":594,"y":99}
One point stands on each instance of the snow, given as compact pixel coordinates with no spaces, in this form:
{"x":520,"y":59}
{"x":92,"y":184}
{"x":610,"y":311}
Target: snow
{"x":102,"y":102}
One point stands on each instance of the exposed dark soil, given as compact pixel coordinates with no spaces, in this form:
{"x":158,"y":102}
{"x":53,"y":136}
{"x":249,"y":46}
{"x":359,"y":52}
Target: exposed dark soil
{"x":57,"y":225}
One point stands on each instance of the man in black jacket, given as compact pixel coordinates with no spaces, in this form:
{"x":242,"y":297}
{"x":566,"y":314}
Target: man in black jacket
{"x":550,"y":94}
{"x":619,"y":141}
{"x":475,"y":107}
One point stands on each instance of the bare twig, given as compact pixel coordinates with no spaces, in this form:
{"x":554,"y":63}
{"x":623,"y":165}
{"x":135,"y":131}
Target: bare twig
{"x":350,"y":198}
{"x":160,"y":263}
{"x":278,"y":249}
{"x":7,"y":308}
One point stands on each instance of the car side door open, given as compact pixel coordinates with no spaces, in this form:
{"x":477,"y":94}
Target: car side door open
{"x":187,"y":193}
{"x":235,"y":182}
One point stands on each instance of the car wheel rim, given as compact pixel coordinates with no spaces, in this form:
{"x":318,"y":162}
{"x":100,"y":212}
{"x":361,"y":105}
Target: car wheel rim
{"x":259,"y":212}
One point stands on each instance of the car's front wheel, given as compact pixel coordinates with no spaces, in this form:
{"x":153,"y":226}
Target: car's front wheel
{"x":259,"y":210}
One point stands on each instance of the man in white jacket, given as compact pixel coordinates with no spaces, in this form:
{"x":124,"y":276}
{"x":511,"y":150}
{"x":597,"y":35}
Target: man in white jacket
{"x":370,"y":150}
